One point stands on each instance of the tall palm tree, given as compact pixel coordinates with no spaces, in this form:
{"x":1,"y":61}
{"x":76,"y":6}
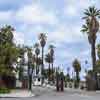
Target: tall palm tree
{"x":77,"y":69}
{"x":37,"y":52}
{"x":30,"y":69}
{"x":42,"y":38}
{"x":48,"y":60}
{"x":51,"y":48}
{"x":29,"y":51}
{"x":91,"y":27}
{"x":33,"y":62}
{"x":22,"y":62}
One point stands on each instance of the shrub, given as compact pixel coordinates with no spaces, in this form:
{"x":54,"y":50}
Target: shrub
{"x":4,"y":90}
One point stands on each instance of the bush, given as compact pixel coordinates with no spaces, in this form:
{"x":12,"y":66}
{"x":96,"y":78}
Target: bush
{"x":4,"y":90}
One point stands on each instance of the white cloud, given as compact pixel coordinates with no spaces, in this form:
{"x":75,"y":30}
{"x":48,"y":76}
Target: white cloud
{"x":74,"y":7}
{"x":18,"y":38}
{"x":35,"y":13}
{"x":32,"y":19}
{"x":70,"y":10}
{"x":65,"y":33}
{"x":5,"y":16}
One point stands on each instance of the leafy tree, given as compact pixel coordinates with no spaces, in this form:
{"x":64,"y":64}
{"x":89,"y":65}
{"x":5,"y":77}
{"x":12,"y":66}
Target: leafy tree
{"x":8,"y":55}
{"x":6,"y":34}
{"x":91,"y":27}
{"x":8,"y":50}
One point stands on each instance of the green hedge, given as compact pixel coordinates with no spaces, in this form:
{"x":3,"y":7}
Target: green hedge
{"x":4,"y":90}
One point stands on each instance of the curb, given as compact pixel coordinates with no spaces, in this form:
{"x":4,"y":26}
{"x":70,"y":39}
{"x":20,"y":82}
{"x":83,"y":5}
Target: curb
{"x":14,"y":96}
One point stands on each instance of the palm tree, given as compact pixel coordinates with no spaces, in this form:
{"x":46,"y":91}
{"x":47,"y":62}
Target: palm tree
{"x":37,"y":52}
{"x":77,"y":69}
{"x":51,"y":48}
{"x":42,"y":38}
{"x":91,"y":27}
{"x":39,"y":62}
{"x":48,"y":60}
{"x":22,"y":61}
{"x":30,"y":69}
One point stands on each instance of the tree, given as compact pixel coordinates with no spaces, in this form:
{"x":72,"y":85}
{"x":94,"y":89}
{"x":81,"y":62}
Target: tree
{"x":51,"y":48}
{"x":6,"y":34}
{"x":91,"y":27}
{"x":48,"y":60}
{"x":21,"y":62}
{"x":8,"y":54}
{"x":8,"y":51}
{"x":37,"y":52}
{"x":77,"y":69}
{"x":68,"y":75}
{"x":42,"y":38}
{"x":30,"y":67}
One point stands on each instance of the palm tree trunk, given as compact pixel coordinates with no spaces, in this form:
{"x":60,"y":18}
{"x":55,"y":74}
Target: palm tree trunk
{"x":37,"y":65}
{"x":49,"y":73}
{"x":42,"y":68}
{"x":52,"y":72}
{"x":77,"y":78}
{"x":94,"y":61}
{"x":93,"y":54}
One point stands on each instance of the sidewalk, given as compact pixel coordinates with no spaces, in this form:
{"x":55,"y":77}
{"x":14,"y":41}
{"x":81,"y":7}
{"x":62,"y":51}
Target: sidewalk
{"x":18,"y":94}
{"x":82,"y":92}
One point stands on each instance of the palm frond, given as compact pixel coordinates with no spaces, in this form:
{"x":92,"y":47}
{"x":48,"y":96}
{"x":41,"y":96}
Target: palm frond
{"x":97,"y":13}
{"x":84,"y":28}
{"x":87,"y":14}
{"x":92,"y":11}
{"x":51,"y":46}
{"x":36,"y":45}
{"x":85,"y":17}
{"x":42,"y":36}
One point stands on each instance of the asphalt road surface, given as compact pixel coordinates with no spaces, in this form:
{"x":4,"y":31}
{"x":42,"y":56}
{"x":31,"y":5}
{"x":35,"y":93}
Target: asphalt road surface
{"x":51,"y":94}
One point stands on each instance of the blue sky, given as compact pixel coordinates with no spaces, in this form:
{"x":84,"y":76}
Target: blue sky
{"x":60,"y":19}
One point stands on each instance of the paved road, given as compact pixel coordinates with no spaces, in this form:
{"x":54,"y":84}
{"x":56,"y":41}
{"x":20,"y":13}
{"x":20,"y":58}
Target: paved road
{"x":51,"y":94}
